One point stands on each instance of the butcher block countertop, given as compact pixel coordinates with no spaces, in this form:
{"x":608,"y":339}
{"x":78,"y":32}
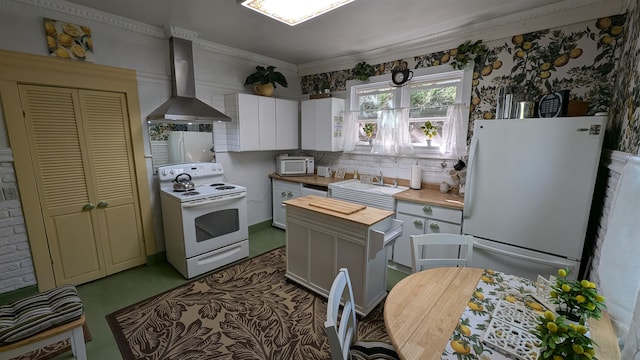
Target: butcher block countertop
{"x":308,"y":179}
{"x":365,"y":215}
{"x":429,"y":194}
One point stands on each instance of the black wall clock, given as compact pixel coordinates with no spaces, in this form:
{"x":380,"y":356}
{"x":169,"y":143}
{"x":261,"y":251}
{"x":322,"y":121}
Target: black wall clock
{"x":400,"y":77}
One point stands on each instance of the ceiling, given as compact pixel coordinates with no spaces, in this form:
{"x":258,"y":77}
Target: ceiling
{"x":358,"y":27}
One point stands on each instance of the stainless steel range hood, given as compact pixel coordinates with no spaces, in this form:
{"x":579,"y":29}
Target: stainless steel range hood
{"x":183,"y":105}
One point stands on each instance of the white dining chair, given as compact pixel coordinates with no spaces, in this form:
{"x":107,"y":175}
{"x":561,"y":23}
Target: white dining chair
{"x":421,"y":258}
{"x":342,"y":329}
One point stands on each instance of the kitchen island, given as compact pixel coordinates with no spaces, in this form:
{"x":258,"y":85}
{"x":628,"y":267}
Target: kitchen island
{"x":324,"y":235}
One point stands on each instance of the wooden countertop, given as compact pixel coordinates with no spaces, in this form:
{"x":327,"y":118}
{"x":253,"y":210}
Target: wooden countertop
{"x":308,"y":179}
{"x":367,"y":216}
{"x":431,"y":196}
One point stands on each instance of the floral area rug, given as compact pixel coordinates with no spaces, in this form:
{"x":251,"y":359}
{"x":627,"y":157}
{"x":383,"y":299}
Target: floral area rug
{"x":245,"y":311}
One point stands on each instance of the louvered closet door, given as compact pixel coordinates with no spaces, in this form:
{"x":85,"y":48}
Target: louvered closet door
{"x":106,"y":125}
{"x":56,"y":140}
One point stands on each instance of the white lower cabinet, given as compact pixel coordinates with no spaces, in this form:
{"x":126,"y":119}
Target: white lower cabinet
{"x":319,"y":244}
{"x":282,"y":191}
{"x":423,"y":219}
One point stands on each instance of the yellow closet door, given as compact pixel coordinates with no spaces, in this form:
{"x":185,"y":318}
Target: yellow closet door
{"x":106,"y":124}
{"x":56,"y":141}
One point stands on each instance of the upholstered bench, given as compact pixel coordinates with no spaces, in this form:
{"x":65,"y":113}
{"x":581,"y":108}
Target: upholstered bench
{"x":40,"y":320}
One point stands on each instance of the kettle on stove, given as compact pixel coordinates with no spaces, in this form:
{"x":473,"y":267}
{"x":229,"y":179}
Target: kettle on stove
{"x":183,"y":182}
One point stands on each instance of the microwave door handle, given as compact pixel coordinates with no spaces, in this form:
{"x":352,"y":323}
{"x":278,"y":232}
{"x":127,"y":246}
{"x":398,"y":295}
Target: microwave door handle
{"x":214,"y":201}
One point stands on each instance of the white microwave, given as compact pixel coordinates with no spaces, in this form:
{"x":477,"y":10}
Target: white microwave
{"x":294,"y":165}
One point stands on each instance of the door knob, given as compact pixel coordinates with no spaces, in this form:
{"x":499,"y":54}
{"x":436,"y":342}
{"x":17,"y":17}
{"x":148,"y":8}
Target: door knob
{"x":88,"y":206}
{"x":103,"y":204}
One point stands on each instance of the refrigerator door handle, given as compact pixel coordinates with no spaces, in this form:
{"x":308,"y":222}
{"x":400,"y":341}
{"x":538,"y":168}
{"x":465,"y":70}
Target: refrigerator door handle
{"x":557,"y":264}
{"x":468,"y":198}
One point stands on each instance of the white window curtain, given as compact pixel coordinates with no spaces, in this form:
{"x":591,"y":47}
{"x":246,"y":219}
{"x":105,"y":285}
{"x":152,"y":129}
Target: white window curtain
{"x":453,"y":145}
{"x":393,"y":136}
{"x":350,"y":131}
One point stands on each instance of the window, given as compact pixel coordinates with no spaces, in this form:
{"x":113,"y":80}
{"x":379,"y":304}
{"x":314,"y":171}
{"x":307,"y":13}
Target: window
{"x":426,"y":98}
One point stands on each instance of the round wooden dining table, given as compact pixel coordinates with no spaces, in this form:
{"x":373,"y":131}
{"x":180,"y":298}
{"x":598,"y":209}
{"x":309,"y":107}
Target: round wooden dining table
{"x":422,"y":311}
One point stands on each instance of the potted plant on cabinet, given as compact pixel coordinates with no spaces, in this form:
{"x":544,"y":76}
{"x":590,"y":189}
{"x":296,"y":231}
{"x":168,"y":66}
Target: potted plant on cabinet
{"x":362,"y":71}
{"x":264,"y":80}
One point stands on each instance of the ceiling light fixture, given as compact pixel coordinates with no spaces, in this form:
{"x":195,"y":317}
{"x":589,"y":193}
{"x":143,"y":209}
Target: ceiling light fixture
{"x":293,"y":12}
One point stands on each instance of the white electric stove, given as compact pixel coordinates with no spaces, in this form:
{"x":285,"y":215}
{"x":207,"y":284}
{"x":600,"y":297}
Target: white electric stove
{"x":205,"y":227}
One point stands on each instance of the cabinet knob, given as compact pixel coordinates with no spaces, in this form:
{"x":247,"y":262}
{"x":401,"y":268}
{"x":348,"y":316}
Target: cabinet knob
{"x":427,"y":209}
{"x":283,"y":194}
{"x":289,"y":194}
{"x":88,"y":206}
{"x":103,"y":204}
{"x":434,"y":227}
{"x":417,"y":222}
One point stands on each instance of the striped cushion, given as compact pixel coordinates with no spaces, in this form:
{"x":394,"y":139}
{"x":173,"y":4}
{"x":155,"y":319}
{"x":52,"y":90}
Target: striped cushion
{"x":37,"y":313}
{"x":373,"y":350}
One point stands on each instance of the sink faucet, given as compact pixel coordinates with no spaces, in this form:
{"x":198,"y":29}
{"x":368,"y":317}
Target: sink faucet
{"x":381,"y":179}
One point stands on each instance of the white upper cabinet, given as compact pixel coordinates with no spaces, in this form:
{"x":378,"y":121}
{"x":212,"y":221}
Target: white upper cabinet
{"x":261,"y":123}
{"x":322,"y":124}
{"x":287,"y":124}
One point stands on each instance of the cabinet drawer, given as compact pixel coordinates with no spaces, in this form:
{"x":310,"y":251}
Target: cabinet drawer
{"x":437,"y":227}
{"x":287,"y":186}
{"x":430,"y":211}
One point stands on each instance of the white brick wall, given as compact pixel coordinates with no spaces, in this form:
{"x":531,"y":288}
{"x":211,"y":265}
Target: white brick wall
{"x":16,"y":266}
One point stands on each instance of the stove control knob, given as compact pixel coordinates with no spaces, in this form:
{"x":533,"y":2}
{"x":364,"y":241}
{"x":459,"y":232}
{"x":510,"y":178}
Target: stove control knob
{"x":163,"y":172}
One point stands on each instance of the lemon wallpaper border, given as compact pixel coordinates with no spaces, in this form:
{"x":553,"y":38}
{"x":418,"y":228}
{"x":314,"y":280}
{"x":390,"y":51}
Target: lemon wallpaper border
{"x":582,"y":57}
{"x":69,"y":41}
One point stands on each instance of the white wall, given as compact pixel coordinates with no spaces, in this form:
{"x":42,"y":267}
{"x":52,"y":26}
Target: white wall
{"x":120,"y":42}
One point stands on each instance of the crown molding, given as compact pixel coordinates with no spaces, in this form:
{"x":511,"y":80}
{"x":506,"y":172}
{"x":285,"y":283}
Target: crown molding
{"x":544,"y":17}
{"x":54,"y":7}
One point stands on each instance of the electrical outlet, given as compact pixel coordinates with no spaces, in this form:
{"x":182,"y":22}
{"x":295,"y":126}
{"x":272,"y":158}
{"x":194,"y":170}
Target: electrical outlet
{"x":10,"y":193}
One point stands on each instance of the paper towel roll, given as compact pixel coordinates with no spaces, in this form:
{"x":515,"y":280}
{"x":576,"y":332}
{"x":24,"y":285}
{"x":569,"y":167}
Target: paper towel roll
{"x":416,"y":177}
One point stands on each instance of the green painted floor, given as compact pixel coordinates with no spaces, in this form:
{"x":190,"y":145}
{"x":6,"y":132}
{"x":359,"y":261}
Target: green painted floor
{"x":107,"y":295}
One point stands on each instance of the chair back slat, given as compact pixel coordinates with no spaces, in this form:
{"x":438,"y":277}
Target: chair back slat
{"x":421,"y":258}
{"x":341,"y":333}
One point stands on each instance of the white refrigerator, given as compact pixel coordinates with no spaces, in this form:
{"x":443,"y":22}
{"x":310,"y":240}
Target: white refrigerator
{"x":528,"y":193}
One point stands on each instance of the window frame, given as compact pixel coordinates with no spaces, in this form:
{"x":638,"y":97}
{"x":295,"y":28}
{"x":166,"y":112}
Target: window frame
{"x":432,"y":73}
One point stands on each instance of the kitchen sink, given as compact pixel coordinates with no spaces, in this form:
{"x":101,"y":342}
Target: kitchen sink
{"x":385,"y":189}
{"x":380,"y":196}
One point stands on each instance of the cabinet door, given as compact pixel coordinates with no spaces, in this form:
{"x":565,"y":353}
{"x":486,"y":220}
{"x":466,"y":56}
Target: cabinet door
{"x":308,"y":125}
{"x":267,"y":122}
{"x":106,"y":124}
{"x":56,"y":139}
{"x":86,"y":177}
{"x":413,"y":225}
{"x":248,"y":122}
{"x":283,"y":191}
{"x":286,"y":124}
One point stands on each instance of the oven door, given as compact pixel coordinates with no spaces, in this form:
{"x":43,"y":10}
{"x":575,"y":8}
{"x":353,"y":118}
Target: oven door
{"x":214,"y":223}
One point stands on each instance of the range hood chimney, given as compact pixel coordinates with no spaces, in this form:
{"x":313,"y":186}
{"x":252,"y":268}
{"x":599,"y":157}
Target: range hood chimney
{"x":183,"y":105}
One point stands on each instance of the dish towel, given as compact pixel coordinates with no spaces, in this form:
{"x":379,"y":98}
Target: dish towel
{"x":620,"y":255}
